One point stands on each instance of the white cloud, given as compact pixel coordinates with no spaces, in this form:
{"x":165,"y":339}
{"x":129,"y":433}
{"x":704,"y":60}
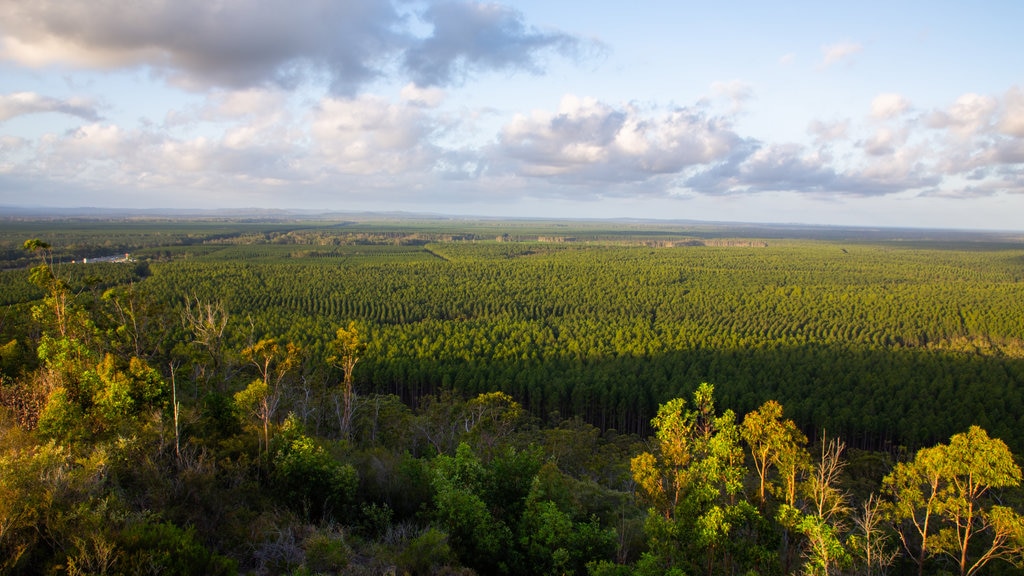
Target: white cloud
{"x":887,"y":106}
{"x":253,"y":141}
{"x":21,"y":103}
{"x":841,"y":52}
{"x":587,"y":140}
{"x":1011,"y":120}
{"x":885,"y":141}
{"x":368,"y":135}
{"x":824,"y":132}
{"x":245,"y":104}
{"x":736,"y":92}
{"x":971,"y":114}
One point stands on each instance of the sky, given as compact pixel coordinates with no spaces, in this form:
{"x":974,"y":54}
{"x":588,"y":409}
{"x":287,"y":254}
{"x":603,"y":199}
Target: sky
{"x":897,"y":114}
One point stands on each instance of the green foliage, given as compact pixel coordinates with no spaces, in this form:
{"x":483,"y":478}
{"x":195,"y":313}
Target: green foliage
{"x":692,"y":484}
{"x":326,"y":552}
{"x":426,"y":553}
{"x":944,"y":502}
{"x":162,"y":547}
{"x":555,"y":544}
{"x":478,"y":538}
{"x":62,"y":418}
{"x":95,"y":399}
{"x":308,"y":479}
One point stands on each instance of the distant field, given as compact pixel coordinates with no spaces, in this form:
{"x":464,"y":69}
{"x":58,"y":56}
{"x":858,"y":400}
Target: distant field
{"x":887,"y":337}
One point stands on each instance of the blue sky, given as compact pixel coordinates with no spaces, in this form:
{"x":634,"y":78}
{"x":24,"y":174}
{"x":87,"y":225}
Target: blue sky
{"x":869,"y":113}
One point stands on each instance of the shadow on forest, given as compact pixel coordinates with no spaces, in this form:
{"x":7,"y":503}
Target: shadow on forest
{"x":874,"y":399}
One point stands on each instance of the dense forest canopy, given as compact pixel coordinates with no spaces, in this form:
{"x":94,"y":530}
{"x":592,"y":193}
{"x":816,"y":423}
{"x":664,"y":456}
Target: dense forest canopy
{"x":541,"y":382}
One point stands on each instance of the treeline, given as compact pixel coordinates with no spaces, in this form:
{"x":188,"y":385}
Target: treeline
{"x":128,"y":447}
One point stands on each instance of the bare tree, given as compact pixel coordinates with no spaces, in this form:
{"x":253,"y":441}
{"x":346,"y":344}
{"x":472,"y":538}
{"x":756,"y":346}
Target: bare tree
{"x":207,"y":322}
{"x":870,"y":542}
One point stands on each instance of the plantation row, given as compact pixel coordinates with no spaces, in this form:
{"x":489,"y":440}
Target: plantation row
{"x":883,"y":344}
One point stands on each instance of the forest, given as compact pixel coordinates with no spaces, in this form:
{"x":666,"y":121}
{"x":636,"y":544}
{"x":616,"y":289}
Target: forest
{"x":444,"y":396}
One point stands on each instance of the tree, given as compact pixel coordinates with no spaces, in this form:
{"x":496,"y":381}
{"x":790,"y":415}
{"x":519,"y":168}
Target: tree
{"x":823,"y":525}
{"x":58,"y":293}
{"x":773,"y":442}
{"x":870,"y":541}
{"x":346,"y":349}
{"x":307,"y":478}
{"x":480,"y":540}
{"x":489,"y":419}
{"x":976,"y":464}
{"x":913,"y":492}
{"x":691,"y":484}
{"x":207,"y":322}
{"x":262,"y":396}
{"x":952,"y":485}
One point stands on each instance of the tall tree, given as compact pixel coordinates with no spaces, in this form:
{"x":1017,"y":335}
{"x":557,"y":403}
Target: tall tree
{"x":827,"y":506}
{"x":273,"y":361}
{"x":913,"y":492}
{"x":773,"y":442}
{"x":208,"y":322}
{"x":345,"y":351}
{"x":943,"y":502}
{"x":58,"y":294}
{"x":691,"y":484}
{"x":870,"y":540}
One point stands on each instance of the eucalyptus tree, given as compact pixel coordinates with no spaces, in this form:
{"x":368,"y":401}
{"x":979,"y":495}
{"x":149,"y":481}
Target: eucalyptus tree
{"x":945,"y":503}
{"x":693,"y":483}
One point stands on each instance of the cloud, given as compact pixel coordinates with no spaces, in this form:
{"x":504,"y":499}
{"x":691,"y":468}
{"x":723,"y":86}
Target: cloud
{"x":426,"y":97}
{"x":979,"y":131}
{"x":825,"y":132}
{"x":21,"y":103}
{"x":969,"y":115}
{"x":369,"y":135}
{"x":1011,"y":119}
{"x":470,"y":36}
{"x":885,"y":141}
{"x":591,"y":141}
{"x":887,"y":106}
{"x":258,"y":142}
{"x":197,"y":44}
{"x":736,"y":91}
{"x":755,"y":167}
{"x":239,"y":104}
{"x":836,"y":53}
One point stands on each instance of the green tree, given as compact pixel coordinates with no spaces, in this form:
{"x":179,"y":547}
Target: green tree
{"x":345,"y":352}
{"x":944,"y":503}
{"x":913,"y":491}
{"x":478,"y":539}
{"x":263,"y":395}
{"x":307,"y":478}
{"x":692,"y":485}
{"x":777,"y":443}
{"x":58,"y":294}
